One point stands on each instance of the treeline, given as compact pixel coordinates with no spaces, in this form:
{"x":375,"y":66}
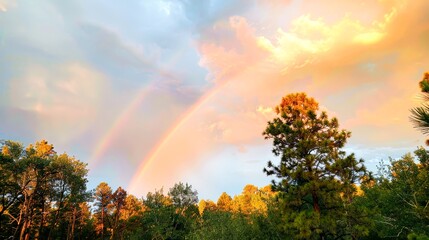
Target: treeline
{"x":44,"y":196}
{"x":319,"y":192}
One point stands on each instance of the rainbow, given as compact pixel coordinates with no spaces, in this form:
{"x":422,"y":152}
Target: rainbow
{"x":149,"y":158}
{"x":127,"y":113}
{"x":147,"y":161}
{"x":113,"y":131}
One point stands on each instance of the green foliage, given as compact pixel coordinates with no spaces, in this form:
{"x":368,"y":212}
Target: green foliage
{"x":420,"y":118}
{"x":319,"y":192}
{"x":103,"y":199}
{"x":118,"y":204}
{"x":424,"y":83}
{"x":40,"y":191}
{"x":216,"y":223}
{"x":400,"y":197}
{"x":420,"y":115}
{"x":225,"y":225}
{"x":316,"y":178}
{"x":414,"y":236}
{"x":169,"y":216}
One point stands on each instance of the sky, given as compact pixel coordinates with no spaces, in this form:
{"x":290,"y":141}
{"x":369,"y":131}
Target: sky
{"x":153,"y":92}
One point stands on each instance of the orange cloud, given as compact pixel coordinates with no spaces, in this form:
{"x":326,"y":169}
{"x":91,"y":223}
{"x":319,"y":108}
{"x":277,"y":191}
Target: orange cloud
{"x":363,"y":70}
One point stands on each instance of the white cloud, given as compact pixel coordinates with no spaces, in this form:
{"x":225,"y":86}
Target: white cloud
{"x":6,"y":4}
{"x":64,"y":98}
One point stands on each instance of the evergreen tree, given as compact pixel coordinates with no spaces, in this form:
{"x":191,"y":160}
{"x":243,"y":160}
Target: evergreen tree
{"x":103,"y":199}
{"x":420,"y":115}
{"x":182,"y":195}
{"x":311,"y":173}
{"x":118,"y":203}
{"x":400,"y":197}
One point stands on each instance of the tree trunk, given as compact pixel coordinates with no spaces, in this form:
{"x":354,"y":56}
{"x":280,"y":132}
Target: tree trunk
{"x":23,"y":229}
{"x":26,"y":218}
{"x":57,"y":213}
{"x":316,"y":206}
{"x":102,"y":223}
{"x":71,"y":236}
{"x":116,"y":223}
{"x":42,"y":220}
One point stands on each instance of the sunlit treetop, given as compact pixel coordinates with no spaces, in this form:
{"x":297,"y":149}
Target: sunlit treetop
{"x":298,"y":103}
{"x":424,"y":83}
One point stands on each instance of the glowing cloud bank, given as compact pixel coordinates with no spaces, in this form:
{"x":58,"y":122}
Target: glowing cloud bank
{"x":150,"y":93}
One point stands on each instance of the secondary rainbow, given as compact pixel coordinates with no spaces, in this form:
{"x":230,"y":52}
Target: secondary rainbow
{"x":119,"y":123}
{"x":127,"y":113}
{"x":147,"y":161}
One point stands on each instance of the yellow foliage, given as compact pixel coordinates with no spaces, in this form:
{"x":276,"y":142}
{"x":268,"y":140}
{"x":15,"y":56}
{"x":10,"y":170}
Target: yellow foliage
{"x":5,"y":151}
{"x":252,"y":200}
{"x":359,"y":191}
{"x":224,"y":202}
{"x":206,"y":205}
{"x":44,"y":149}
{"x":133,"y":207}
{"x":367,"y":181}
{"x":250,"y":189}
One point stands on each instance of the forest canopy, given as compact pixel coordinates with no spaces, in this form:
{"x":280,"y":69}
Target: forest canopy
{"x":318,"y":191}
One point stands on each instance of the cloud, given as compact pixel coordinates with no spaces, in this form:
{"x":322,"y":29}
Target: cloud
{"x":215,"y":70}
{"x":63,"y":98}
{"x":265,"y":110}
{"x":336,"y":59}
{"x":357,"y":68}
{"x":6,"y":4}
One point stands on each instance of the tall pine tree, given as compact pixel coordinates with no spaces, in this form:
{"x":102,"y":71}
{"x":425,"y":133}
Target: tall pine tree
{"x":314,"y":187}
